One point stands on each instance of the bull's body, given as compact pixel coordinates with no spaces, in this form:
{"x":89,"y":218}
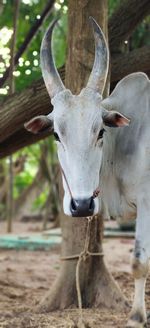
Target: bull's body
{"x":125,"y":177}
{"x":121,"y":158}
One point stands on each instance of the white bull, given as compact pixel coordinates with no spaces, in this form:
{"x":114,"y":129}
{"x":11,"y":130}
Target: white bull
{"x":93,"y":155}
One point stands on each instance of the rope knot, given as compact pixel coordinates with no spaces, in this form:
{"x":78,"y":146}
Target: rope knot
{"x":96,"y":193}
{"x":84,"y":255}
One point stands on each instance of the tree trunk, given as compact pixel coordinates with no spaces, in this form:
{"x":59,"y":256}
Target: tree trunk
{"x":98,"y":288}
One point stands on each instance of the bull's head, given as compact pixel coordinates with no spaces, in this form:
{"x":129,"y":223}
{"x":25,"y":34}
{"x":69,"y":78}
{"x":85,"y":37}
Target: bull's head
{"x":78,"y":122}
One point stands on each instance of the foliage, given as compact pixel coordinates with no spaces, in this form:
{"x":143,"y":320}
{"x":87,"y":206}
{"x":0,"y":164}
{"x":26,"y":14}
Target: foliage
{"x":140,"y":36}
{"x":112,"y":5}
{"x":40,"y":200}
{"x":28,"y":69}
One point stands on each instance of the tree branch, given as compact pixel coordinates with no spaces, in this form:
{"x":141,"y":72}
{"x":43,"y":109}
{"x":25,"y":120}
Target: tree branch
{"x":20,"y":108}
{"x":19,"y":140}
{"x":135,"y":61}
{"x":125,"y":19}
{"x":29,"y":37}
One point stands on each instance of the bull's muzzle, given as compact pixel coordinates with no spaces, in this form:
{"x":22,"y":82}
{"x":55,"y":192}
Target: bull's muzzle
{"x":82,"y":207}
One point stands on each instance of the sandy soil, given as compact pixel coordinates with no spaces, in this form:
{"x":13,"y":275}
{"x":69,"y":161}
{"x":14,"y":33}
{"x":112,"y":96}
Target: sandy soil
{"x":25,"y":276}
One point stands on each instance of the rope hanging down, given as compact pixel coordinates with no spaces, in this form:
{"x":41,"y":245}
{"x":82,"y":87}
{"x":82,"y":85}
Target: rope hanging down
{"x":82,"y":257}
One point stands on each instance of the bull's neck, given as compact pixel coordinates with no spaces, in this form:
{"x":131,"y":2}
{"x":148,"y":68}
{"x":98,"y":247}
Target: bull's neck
{"x":108,"y":153}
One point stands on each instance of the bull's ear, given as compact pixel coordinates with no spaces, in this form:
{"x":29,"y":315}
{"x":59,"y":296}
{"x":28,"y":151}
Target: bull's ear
{"x":39,"y":124}
{"x":114,"y":119}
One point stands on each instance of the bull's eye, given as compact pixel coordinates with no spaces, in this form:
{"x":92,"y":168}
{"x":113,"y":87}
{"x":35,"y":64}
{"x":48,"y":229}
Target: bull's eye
{"x":100,"y":136}
{"x":56,"y":136}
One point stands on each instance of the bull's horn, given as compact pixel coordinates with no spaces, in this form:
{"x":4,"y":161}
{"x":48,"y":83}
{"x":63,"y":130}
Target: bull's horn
{"x":50,"y":74}
{"x":99,"y":72}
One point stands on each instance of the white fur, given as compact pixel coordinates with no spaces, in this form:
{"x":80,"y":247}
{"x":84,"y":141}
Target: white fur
{"x":125,"y":178}
{"x":77,"y":121}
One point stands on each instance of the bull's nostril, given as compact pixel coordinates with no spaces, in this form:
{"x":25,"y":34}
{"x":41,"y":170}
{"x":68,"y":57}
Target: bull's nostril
{"x":91,"y":204}
{"x":73,"y":205}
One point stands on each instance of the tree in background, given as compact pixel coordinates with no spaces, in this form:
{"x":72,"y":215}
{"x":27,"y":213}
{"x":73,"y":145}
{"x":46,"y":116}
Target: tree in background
{"x":33,"y":19}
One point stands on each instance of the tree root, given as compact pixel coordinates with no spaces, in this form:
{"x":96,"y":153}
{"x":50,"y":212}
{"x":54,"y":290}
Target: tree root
{"x":98,"y":290}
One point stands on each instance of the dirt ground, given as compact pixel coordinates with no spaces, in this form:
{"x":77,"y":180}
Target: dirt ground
{"x":25,"y":276}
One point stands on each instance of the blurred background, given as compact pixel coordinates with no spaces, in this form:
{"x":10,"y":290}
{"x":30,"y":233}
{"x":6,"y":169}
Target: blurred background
{"x":33,"y":177}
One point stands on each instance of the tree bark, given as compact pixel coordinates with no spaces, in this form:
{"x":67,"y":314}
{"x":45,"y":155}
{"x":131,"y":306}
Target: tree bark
{"x":18,"y":140}
{"x":81,"y":40}
{"x":20,"y":108}
{"x":124,"y":20}
{"x":136,"y":60}
{"x":97,"y":285}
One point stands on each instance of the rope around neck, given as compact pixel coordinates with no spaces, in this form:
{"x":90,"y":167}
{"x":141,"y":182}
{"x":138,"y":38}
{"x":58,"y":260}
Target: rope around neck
{"x":85,"y":253}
